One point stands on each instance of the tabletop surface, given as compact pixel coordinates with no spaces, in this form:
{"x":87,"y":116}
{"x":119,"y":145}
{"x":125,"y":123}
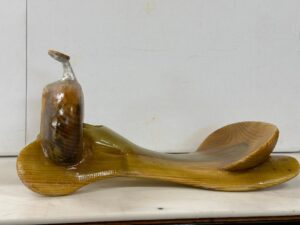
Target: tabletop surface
{"x":121,"y":199}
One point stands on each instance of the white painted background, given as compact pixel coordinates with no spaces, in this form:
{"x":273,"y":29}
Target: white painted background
{"x":165,"y":73}
{"x":12,"y":75}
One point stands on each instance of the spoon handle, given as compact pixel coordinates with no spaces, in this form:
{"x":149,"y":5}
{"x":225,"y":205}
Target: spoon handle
{"x":276,"y":170}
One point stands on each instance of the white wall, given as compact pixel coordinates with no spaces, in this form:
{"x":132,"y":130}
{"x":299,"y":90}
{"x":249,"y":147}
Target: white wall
{"x":165,"y":73}
{"x":12,"y":75}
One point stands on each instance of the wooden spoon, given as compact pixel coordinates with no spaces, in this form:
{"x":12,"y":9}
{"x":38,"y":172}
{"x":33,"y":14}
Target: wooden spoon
{"x":68,"y":154}
{"x":108,"y":155}
{"x":237,"y":146}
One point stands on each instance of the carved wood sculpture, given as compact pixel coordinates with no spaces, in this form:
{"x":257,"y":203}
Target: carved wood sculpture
{"x":69,"y":154}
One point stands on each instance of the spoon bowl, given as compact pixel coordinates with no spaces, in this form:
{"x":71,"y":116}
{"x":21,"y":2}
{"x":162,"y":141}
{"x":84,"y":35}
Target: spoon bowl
{"x":241,"y":145}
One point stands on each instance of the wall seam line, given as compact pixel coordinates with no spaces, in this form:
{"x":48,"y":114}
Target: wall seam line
{"x":26,"y":68}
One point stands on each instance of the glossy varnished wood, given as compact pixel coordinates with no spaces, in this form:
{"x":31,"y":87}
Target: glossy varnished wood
{"x":241,"y":145}
{"x":107,"y":154}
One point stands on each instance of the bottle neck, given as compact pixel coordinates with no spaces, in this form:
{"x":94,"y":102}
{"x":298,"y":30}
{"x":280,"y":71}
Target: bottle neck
{"x":68,"y":73}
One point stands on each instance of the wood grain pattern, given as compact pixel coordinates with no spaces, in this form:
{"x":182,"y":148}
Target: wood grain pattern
{"x":252,"y":142}
{"x":107,"y":154}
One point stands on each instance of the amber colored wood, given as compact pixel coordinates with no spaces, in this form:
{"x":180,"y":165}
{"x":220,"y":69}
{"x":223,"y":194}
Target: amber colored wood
{"x":243,"y":144}
{"x":107,"y":155}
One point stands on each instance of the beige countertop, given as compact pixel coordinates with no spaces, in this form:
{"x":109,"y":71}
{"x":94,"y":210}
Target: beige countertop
{"x":131,"y":199}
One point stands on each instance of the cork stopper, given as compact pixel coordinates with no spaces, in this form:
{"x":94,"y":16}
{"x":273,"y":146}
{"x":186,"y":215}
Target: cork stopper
{"x":61,"y":57}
